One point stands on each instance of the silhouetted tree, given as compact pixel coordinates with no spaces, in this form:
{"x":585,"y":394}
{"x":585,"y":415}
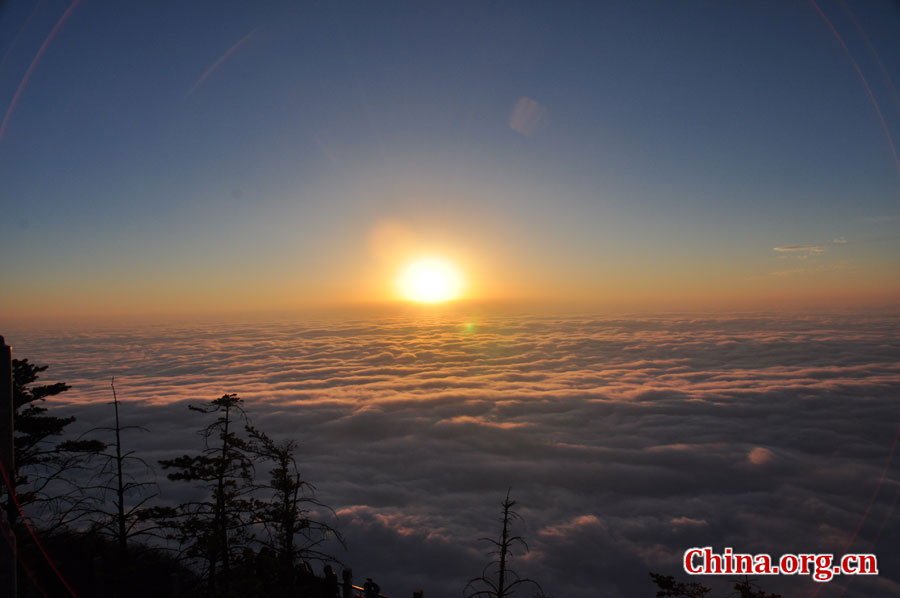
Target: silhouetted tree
{"x":44,"y":467}
{"x":748,"y":589}
{"x":669,"y":587}
{"x":292,"y":533}
{"x":504,"y":582}
{"x":214,"y":530}
{"x":127,"y":520}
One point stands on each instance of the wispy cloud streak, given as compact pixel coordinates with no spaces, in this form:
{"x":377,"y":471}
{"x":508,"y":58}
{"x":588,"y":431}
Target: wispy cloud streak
{"x":800,"y":249}
{"x":219,"y":61}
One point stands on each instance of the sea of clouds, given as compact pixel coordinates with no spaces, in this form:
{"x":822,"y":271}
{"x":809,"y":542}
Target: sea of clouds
{"x":624,"y":441}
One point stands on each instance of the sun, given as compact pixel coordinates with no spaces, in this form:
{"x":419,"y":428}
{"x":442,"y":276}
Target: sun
{"x":430,"y":280}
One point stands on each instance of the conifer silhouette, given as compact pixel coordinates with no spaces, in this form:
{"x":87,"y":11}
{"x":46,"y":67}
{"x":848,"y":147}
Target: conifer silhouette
{"x":46,"y":470}
{"x":215,"y":529}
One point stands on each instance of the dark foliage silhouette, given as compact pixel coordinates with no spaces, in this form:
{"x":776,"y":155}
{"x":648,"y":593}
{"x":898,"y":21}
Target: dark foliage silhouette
{"x":47,"y":470}
{"x":291,"y":531}
{"x":90,"y":564}
{"x":669,"y":587}
{"x":215,"y":530}
{"x":748,"y":589}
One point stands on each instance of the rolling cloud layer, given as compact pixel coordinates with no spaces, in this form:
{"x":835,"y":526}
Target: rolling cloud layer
{"x":624,"y":441}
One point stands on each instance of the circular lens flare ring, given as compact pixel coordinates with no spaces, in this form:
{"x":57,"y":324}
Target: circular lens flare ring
{"x":431,"y":280}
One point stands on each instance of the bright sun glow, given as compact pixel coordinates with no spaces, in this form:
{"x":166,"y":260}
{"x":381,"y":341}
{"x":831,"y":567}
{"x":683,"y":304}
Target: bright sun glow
{"x":431,"y":280}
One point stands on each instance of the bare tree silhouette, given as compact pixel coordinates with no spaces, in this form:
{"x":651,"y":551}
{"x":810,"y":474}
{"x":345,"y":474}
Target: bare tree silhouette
{"x":497,"y":580}
{"x":292,"y":530}
{"x":117,"y":478}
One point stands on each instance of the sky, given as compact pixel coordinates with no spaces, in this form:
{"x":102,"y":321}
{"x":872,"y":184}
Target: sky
{"x":174,"y":157}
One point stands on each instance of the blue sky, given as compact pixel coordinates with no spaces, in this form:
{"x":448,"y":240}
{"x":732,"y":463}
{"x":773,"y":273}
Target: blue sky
{"x":184,"y":147}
